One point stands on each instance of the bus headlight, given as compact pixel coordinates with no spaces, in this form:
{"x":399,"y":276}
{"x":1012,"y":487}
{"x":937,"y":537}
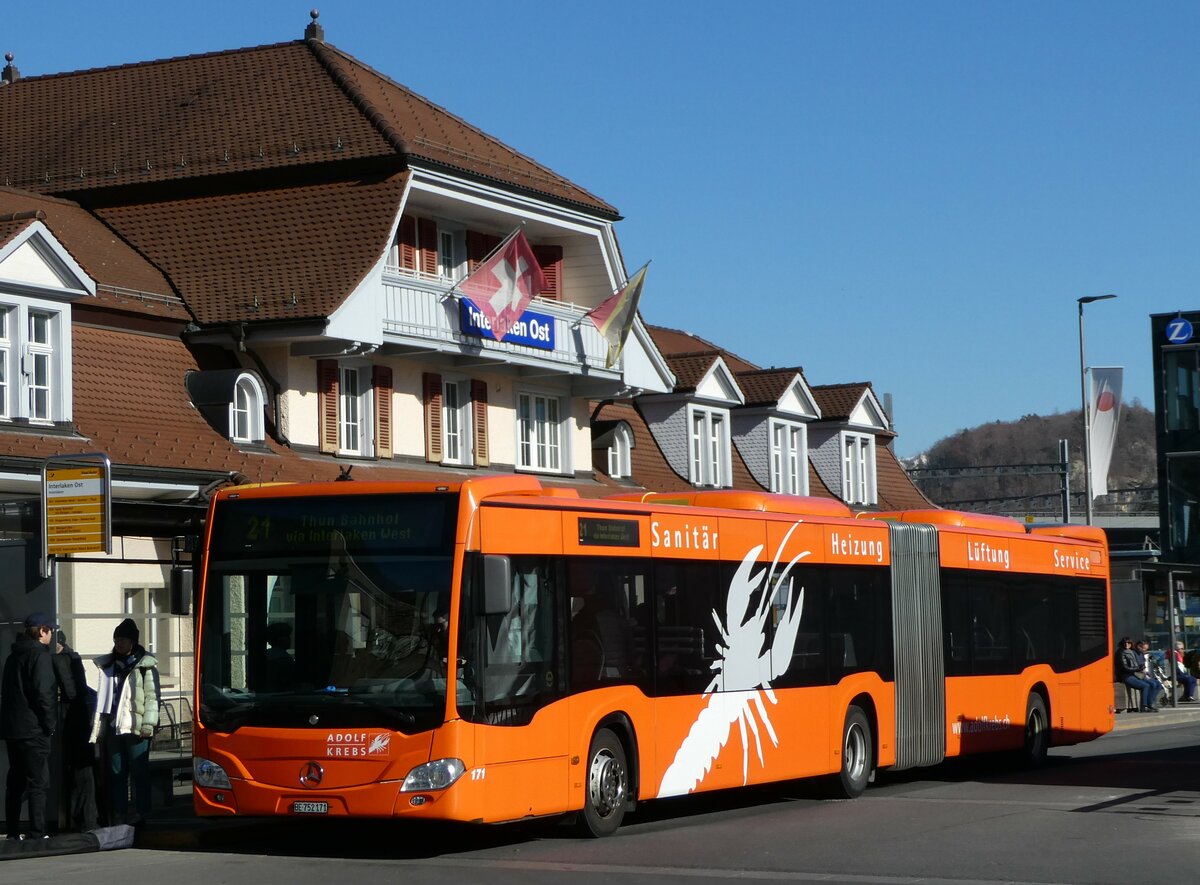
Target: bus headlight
{"x":209,"y":774}
{"x":436,"y":775}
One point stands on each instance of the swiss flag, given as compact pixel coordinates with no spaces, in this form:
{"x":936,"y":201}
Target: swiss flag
{"x":503,"y":285}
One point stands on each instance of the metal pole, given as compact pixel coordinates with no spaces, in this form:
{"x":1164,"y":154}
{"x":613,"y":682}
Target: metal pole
{"x":1087,"y":447}
{"x":1083,"y":396}
{"x":1064,"y":460}
{"x":1171,"y":634}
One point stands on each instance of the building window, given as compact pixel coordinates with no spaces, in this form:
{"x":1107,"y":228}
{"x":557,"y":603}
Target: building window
{"x":447,"y":255}
{"x":709,"y":447}
{"x":789,"y":458}
{"x":858,"y":468}
{"x":150,"y":610}
{"x":5,"y":351}
{"x":620,"y":453}
{"x":246,"y":411}
{"x":1183,"y":506}
{"x":38,"y":368}
{"x":1181,"y":377}
{"x":354,"y":408}
{"x":354,"y":412}
{"x":34,"y":362}
{"x":539,"y":433}
{"x":456,"y":422}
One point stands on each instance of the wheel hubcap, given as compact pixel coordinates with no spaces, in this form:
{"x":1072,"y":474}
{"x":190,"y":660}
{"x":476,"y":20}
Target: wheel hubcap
{"x":606,"y":783}
{"x":855,"y":752}
{"x":1035,"y":731}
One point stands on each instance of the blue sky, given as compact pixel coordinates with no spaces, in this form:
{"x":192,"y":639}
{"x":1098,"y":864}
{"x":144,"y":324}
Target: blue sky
{"x":912,"y":194}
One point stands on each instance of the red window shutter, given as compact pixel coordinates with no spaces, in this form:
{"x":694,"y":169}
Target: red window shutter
{"x":381,"y":381}
{"x":327,"y":405}
{"x":550,"y":259}
{"x":479,"y":425}
{"x":408,"y":242}
{"x":431,"y":384}
{"x":479,"y":246}
{"x":427,"y":239}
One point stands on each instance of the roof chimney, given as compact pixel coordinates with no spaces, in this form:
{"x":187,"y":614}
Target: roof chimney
{"x":314,"y":31}
{"x":10,"y":74}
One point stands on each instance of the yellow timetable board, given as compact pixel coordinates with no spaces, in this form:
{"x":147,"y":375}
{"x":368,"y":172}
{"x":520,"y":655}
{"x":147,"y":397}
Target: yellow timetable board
{"x":75,"y":510}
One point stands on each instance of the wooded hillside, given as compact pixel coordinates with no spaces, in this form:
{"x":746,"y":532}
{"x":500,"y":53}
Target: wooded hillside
{"x":1034,"y":440}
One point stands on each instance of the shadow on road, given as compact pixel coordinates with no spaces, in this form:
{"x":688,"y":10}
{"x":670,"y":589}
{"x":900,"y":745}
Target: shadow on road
{"x":1146,"y":774}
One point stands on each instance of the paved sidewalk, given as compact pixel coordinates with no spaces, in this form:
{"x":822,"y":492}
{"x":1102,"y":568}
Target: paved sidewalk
{"x":1164,"y":716}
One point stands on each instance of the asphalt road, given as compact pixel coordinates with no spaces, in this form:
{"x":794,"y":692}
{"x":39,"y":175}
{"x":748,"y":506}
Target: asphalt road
{"x":1121,"y":809}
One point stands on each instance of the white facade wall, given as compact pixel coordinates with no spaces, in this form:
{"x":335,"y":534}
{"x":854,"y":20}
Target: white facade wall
{"x":134,"y":581}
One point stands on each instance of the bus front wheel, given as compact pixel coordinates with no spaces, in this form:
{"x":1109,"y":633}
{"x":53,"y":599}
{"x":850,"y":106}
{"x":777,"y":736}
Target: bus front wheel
{"x":607,"y":785}
{"x":857,"y":751}
{"x":1037,"y":732}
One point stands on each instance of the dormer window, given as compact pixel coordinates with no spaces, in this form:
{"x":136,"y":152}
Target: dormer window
{"x":709,"y":440}
{"x":34,"y":371}
{"x":789,"y":458}
{"x":246,"y":410}
{"x":620,"y":453}
{"x":858,"y":468}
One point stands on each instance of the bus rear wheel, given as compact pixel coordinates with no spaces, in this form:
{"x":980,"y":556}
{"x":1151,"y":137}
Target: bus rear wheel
{"x":607,"y":786}
{"x":858,"y":748}
{"x":1037,"y":732}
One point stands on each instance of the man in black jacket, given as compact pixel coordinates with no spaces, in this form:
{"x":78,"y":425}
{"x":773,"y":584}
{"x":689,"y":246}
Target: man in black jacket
{"x":27,"y":718}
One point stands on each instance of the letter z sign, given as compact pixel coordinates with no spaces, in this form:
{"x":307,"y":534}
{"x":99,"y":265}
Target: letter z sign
{"x":1179,"y":331}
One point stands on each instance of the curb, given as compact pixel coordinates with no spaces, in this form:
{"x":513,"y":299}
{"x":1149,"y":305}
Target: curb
{"x":1165,"y":716}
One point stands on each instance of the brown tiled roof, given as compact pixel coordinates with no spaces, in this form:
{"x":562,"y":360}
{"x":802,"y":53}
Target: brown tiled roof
{"x":676,"y":341}
{"x":287,"y":105}
{"x":764,"y":387}
{"x":837,"y":401}
{"x":228,"y":251}
{"x":9,"y":229}
{"x":690,"y":368}
{"x":896,"y":490}
{"x":430,"y":132}
{"x":105,"y":257}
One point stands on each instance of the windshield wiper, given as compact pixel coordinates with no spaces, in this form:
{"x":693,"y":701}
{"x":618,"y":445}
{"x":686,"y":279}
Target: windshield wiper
{"x":228,"y":719}
{"x":401,"y":716}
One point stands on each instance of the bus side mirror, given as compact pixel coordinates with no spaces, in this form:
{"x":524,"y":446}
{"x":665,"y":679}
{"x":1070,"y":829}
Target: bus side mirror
{"x":497,"y":585}
{"x":181,"y":590}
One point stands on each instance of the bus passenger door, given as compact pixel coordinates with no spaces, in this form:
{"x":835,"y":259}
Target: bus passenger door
{"x":520,"y":746}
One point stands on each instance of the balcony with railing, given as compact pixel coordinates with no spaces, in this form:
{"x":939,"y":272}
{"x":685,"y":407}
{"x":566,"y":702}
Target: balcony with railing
{"x":421,"y":312}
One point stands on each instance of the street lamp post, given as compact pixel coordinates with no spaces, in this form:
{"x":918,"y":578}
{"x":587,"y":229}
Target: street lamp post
{"x":1087,"y":445}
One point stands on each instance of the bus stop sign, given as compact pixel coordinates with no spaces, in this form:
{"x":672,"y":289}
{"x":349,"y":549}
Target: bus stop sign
{"x":76,"y":506}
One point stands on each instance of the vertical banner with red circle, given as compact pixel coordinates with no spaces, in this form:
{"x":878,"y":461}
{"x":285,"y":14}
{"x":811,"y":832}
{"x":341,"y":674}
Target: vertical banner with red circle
{"x":1102,"y":424}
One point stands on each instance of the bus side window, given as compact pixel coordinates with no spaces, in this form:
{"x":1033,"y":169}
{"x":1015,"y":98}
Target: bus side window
{"x":519,"y":673}
{"x":955,"y":621}
{"x":608,"y":629}
{"x":686,"y":594}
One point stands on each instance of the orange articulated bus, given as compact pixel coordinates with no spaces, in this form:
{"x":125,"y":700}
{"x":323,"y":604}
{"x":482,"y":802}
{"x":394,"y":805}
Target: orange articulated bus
{"x":494,"y":651}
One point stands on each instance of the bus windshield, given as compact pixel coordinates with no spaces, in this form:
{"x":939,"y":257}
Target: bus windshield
{"x":327,"y":611}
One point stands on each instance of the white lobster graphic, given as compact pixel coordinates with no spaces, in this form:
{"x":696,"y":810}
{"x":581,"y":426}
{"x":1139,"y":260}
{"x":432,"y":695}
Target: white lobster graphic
{"x":743,"y":670}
